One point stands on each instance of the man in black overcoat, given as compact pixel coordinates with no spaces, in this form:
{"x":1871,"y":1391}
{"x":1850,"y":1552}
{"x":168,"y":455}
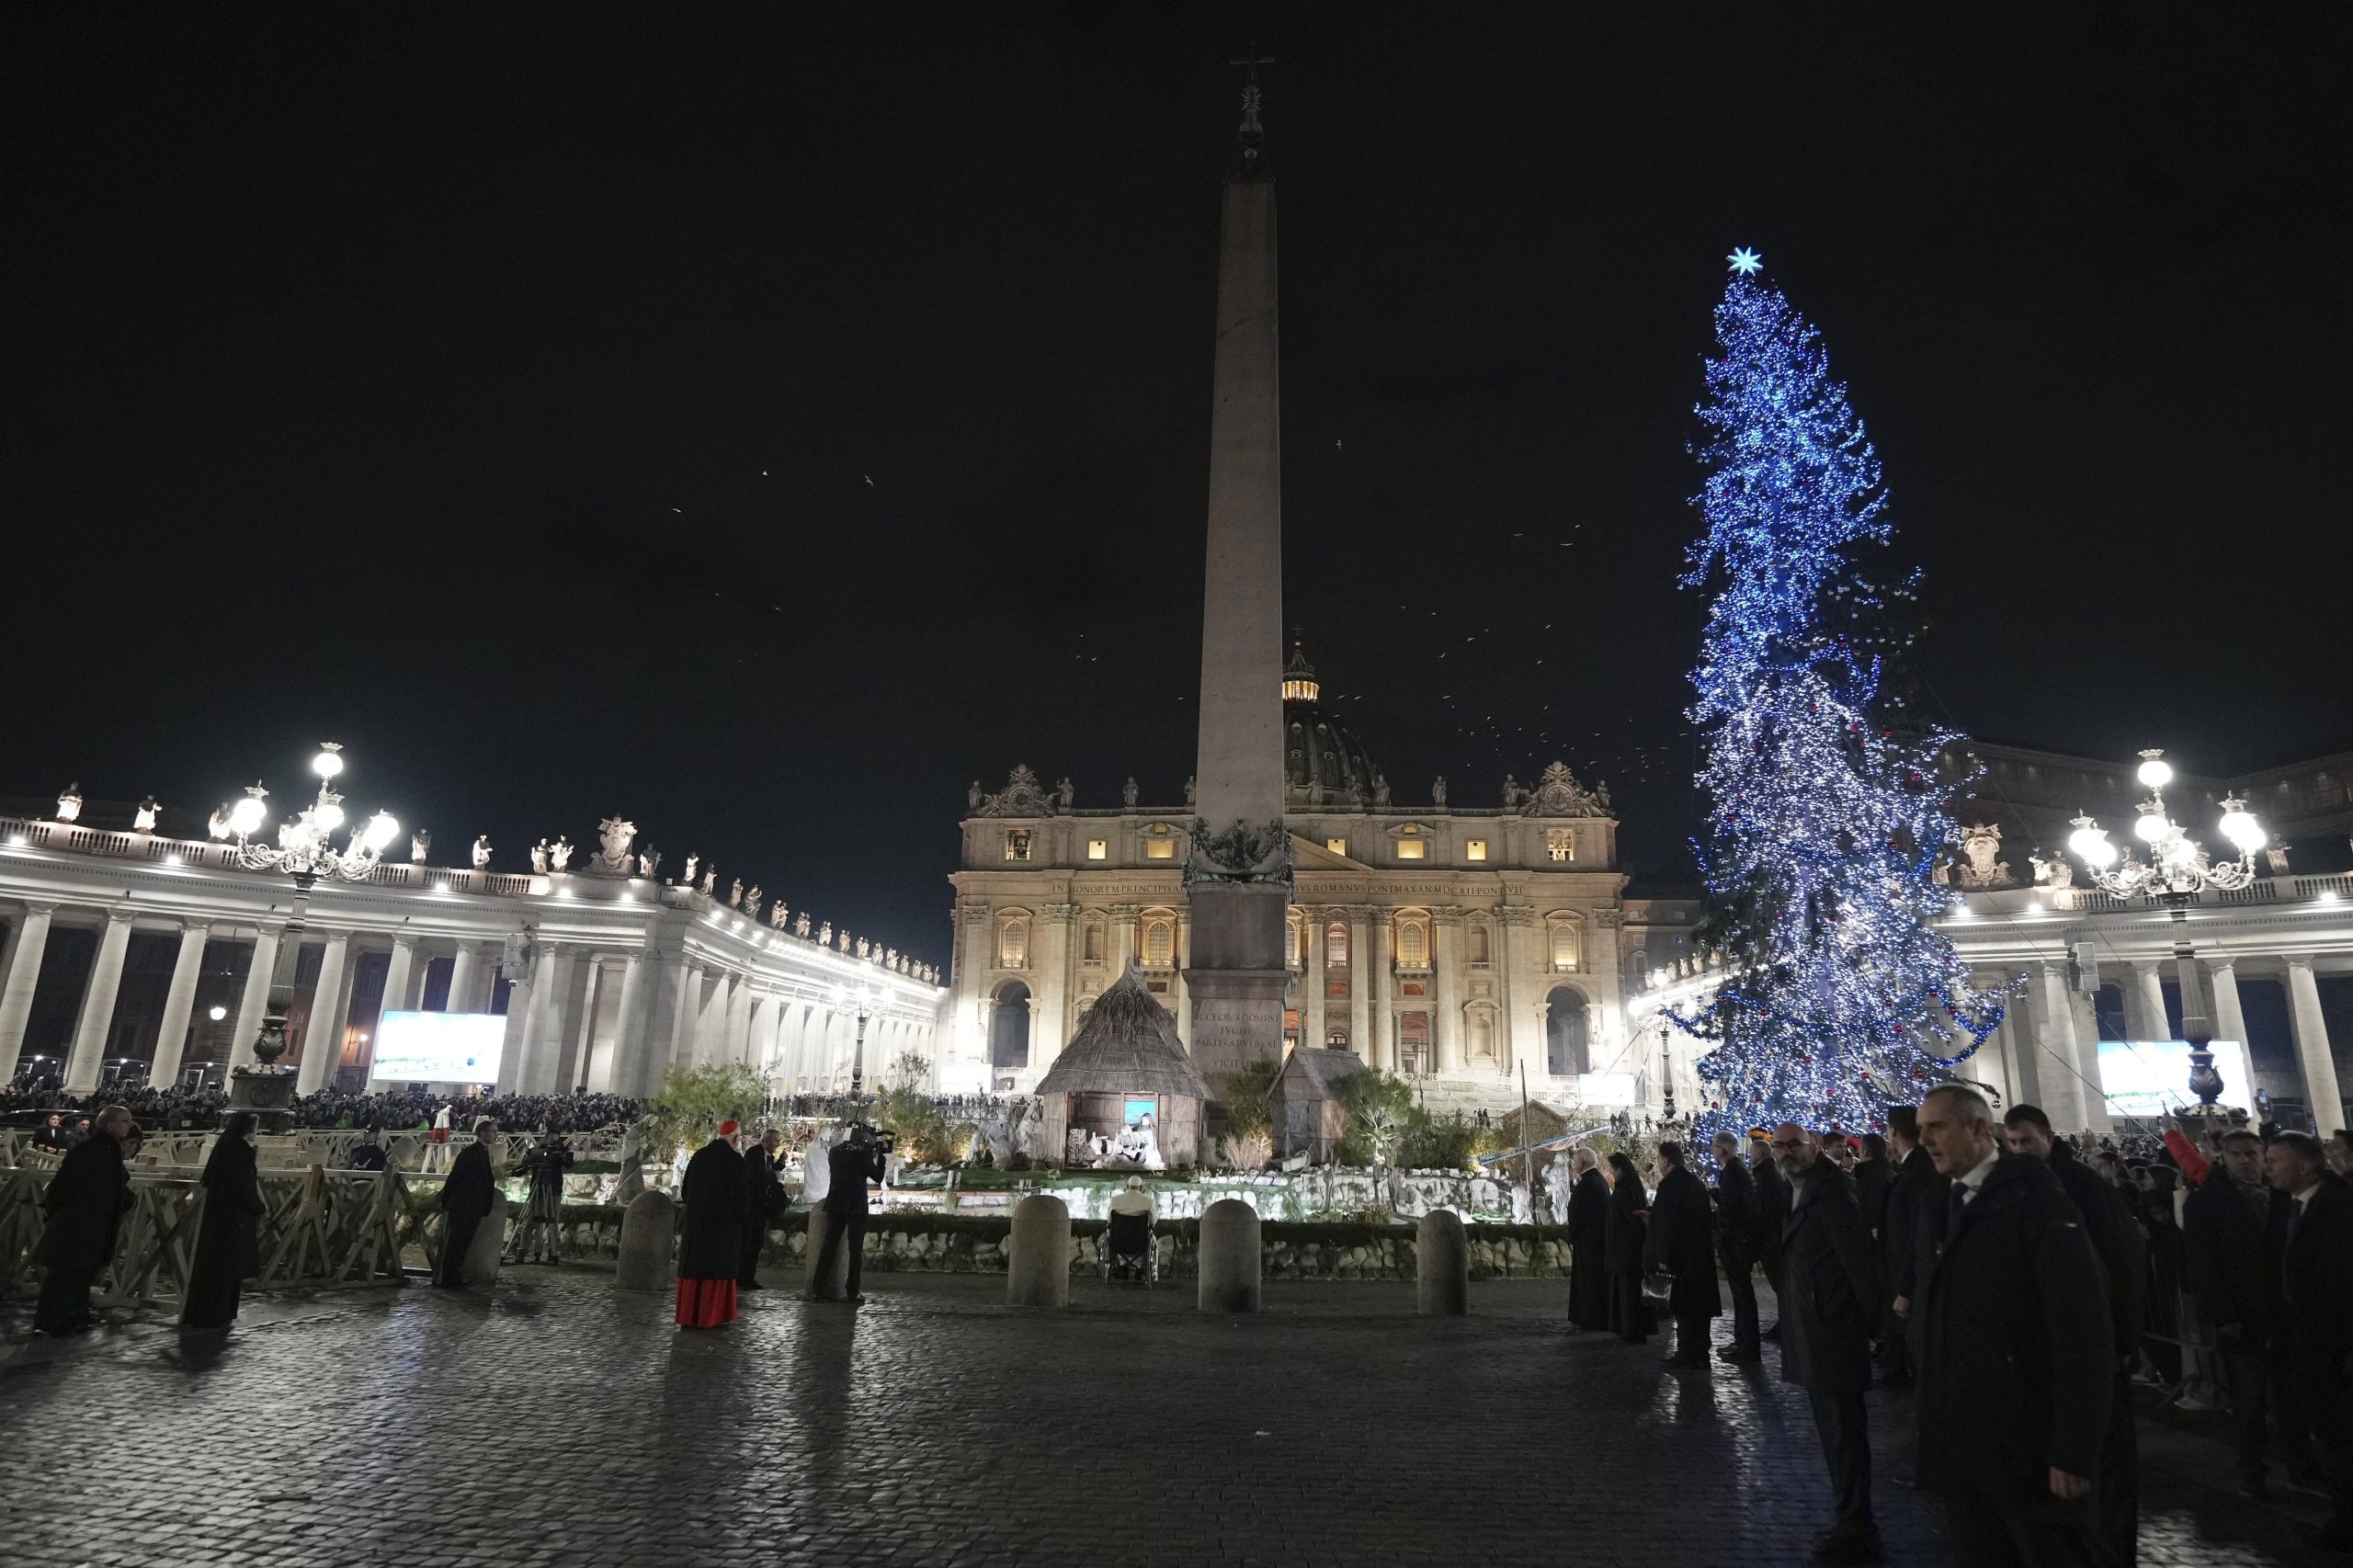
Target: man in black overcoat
{"x":1830,"y":1294}
{"x":1682,"y":1241}
{"x":2223,"y":1221}
{"x":856,"y":1160}
{"x":764,"y":1193}
{"x":1773,"y":1205}
{"x":2015,"y":1347}
{"x":710,"y":1238}
{"x":1737,"y":1222}
{"x":2309,"y":1266}
{"x":466,"y":1193}
{"x":1914,"y":1181}
{"x":2123,"y":1249}
{"x":85,"y":1200}
{"x":1588,"y":1245}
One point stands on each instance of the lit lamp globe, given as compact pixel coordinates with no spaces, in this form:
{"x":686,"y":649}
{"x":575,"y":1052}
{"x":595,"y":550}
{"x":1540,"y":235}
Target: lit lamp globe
{"x":2154,"y":772}
{"x":2152,"y":827}
{"x":382,"y":828}
{"x":2240,"y":827}
{"x":329,"y":762}
{"x":327,"y":816}
{"x":2091,"y":846}
{"x":216,"y":1012}
{"x":248,"y":815}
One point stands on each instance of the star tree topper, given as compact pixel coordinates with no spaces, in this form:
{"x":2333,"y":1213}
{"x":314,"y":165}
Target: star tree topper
{"x":1744,"y":261}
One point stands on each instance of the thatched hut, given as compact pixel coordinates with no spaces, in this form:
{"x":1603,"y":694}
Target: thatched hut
{"x":1304,"y":1103}
{"x":1124,"y":1064}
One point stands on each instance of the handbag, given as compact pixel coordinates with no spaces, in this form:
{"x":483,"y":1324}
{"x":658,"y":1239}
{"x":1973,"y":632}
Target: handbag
{"x":1658,"y":1286}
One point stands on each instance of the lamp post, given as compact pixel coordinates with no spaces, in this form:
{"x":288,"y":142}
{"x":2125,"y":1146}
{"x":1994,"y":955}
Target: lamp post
{"x":305,"y":851}
{"x":2177,"y":871}
{"x":863,"y":999}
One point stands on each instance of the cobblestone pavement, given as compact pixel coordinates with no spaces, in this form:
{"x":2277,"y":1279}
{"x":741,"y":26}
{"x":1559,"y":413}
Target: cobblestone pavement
{"x":559,"y":1422}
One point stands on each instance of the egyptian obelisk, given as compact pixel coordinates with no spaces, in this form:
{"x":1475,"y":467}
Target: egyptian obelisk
{"x":1239,"y":882}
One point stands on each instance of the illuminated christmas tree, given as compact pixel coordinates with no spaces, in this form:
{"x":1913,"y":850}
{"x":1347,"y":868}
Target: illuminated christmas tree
{"x":1826,"y":815}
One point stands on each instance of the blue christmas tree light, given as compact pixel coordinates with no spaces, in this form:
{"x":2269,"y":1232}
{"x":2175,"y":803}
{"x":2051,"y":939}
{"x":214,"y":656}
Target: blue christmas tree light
{"x":1824,"y":822}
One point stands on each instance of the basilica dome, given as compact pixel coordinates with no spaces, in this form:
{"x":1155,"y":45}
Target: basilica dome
{"x":1324,"y":761}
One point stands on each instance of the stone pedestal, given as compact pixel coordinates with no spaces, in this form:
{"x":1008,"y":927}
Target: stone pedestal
{"x":1037,"y":1253}
{"x":267,"y":1092}
{"x":649,"y":1241}
{"x":481,"y":1267}
{"x":1238,"y":975}
{"x":1442,"y":1265}
{"x":1229,"y":1257}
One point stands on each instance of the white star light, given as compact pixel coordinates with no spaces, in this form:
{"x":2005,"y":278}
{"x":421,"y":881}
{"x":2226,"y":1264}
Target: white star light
{"x":1744,"y":261}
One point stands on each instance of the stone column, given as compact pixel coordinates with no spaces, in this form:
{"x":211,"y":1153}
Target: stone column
{"x":1180,"y":995}
{"x":580,"y":1043}
{"x":179,"y":1005}
{"x":2088,"y":1062}
{"x":515,"y":1038}
{"x":1310,"y":979}
{"x":621,"y":1070}
{"x":323,"y":1036}
{"x":710,"y":1020}
{"x":462,"y":981}
{"x":1054,"y":992}
{"x":255,"y":999}
{"x":2311,"y":1029}
{"x":2230,"y":1023}
{"x":738,"y":1045}
{"x":1359,"y":986}
{"x":24,"y":973}
{"x":401,"y":975}
{"x":682,"y":1023}
{"x":1446,"y":960}
{"x":1380,"y":1046}
{"x":97,"y":1018}
{"x":2063,"y":1091}
{"x":1524,"y":982}
{"x":2144,"y":1002}
{"x":543,"y":1027}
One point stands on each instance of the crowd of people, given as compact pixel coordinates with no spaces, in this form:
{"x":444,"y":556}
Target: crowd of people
{"x":2018,"y":1285}
{"x":203,"y":1108}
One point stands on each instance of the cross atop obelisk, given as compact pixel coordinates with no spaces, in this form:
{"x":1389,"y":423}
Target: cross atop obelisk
{"x":1238,"y":882}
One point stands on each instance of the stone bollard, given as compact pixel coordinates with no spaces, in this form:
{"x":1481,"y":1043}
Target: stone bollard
{"x":480,"y":1268}
{"x":1037,"y":1253}
{"x":1229,"y":1257}
{"x":1442,"y":1265}
{"x":649,"y":1237}
{"x":836,"y":1286}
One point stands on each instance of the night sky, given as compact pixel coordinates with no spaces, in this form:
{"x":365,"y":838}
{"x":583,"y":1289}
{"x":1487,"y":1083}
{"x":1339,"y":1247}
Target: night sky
{"x":764,"y":431}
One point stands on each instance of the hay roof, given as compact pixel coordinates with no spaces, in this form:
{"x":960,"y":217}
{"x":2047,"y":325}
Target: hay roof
{"x":1315,"y":1075}
{"x":1126,"y":1044}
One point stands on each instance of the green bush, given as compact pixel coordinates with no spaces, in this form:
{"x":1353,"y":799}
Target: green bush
{"x":695,"y":1100}
{"x":1380,"y":1113}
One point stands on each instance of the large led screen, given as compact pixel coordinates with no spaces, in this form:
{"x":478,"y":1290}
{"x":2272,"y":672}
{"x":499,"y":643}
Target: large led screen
{"x":437,"y":1048}
{"x":2148,"y":1078}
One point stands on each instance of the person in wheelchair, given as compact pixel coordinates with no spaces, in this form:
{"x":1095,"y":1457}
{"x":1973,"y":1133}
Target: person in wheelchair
{"x":1129,"y":1252}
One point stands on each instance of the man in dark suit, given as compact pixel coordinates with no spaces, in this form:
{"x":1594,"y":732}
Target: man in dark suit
{"x":85,"y":1200}
{"x":1830,"y":1294}
{"x":1682,"y":1242}
{"x":1873,"y":1176}
{"x":1773,"y":1206}
{"x":2014,"y":1346}
{"x":2309,"y":1266}
{"x":1913,"y":1180}
{"x":856,"y":1160}
{"x":2223,"y":1225}
{"x":465,"y":1201}
{"x":1737,"y":1221}
{"x":765,"y":1192}
{"x":1589,"y":1246}
{"x":2123,"y":1251}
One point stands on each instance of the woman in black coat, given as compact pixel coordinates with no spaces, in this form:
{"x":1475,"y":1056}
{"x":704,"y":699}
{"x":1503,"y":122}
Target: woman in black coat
{"x":1589,"y":1250}
{"x":228,"y":1247}
{"x":1630,"y":1317}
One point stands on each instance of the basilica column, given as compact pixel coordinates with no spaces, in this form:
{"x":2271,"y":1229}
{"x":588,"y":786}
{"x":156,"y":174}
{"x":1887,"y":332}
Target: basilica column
{"x":24,"y":973}
{"x":709,"y":1018}
{"x":1446,"y":966}
{"x":462,"y":980}
{"x":2230,"y":1023}
{"x":254,"y":1000}
{"x":622,"y":1070}
{"x":179,"y":1005}
{"x":1523,"y":980}
{"x":1179,"y":995}
{"x":682,"y":1023}
{"x":2311,"y":1029}
{"x":97,"y":1018}
{"x":1052,"y":1026}
{"x":543,"y":1028}
{"x":322,"y":1035}
{"x":2064,"y":1091}
{"x":400,"y":981}
{"x":2145,"y":1004}
{"x":580,"y":1042}
{"x":1311,"y":978}
{"x":2094,"y":1086}
{"x":1359,"y":983}
{"x":1380,"y":1044}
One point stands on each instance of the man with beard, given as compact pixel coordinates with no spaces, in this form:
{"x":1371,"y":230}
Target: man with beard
{"x":2224,"y":1219}
{"x":2123,"y":1254}
{"x":1682,"y":1243}
{"x":85,"y":1200}
{"x":1737,"y":1221}
{"x":2014,"y":1346}
{"x":466,"y":1195}
{"x":710,"y":1238}
{"x":1830,"y":1294}
{"x":1588,"y":1245}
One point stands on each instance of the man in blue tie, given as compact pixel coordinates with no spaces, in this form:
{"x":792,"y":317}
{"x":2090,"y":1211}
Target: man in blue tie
{"x":2013,"y":1346}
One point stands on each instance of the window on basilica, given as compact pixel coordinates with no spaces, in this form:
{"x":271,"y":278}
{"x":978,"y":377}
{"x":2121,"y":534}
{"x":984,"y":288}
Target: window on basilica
{"x":1159,"y":943}
{"x":1016,"y":844}
{"x":1474,"y":849}
{"x":1410,"y":850}
{"x":1336,"y":845}
{"x":1560,"y":844}
{"x":1335,"y":945}
{"x":1413,"y":945}
{"x":1013,"y":944}
{"x":1098,"y":849}
{"x":1565,"y":946}
{"x":1160,"y":843}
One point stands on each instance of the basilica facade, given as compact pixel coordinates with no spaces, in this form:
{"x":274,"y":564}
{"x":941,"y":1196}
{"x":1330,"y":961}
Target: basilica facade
{"x":1456,"y":943}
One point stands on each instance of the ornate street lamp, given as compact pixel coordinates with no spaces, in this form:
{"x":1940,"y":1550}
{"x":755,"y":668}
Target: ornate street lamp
{"x":863,"y":998}
{"x":306,"y":852}
{"x":2176,"y":872}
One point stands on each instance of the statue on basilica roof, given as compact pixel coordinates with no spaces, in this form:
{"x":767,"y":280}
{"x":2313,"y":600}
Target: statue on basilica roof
{"x":1559,"y":794}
